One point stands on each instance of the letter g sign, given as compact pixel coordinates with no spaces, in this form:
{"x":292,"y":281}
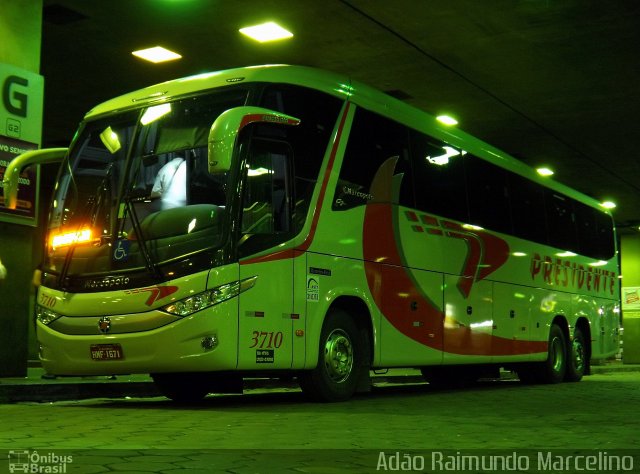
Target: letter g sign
{"x":15,"y":102}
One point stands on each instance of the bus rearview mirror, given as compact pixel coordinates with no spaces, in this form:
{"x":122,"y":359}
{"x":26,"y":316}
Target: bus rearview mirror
{"x":225,"y":130}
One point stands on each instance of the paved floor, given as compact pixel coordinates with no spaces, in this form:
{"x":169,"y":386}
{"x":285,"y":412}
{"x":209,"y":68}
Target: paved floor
{"x":267,"y":431}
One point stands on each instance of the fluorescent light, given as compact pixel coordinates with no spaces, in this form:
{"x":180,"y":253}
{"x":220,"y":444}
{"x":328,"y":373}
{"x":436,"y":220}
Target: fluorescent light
{"x":154,"y":113}
{"x":442,"y":160}
{"x":257,"y":171}
{"x":157,"y":54}
{"x":545,"y":172}
{"x":269,"y":31}
{"x":608,"y":205}
{"x":447,"y":120}
{"x":566,"y":254}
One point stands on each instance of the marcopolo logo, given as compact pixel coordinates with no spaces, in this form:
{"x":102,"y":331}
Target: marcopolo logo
{"x":34,"y":462}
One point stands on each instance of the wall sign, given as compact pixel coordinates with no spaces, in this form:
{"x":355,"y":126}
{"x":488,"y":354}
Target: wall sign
{"x":21,"y":98}
{"x":631,"y":298}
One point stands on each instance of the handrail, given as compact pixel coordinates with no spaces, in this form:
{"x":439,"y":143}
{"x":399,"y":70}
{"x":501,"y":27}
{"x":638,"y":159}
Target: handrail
{"x":19,"y":163}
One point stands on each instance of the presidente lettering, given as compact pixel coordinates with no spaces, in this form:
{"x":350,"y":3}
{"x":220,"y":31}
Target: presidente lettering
{"x":568,"y":274}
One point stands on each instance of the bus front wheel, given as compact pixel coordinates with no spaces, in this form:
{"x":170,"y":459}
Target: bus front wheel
{"x":340,"y":360}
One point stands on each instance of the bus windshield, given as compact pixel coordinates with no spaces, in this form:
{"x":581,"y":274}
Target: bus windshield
{"x":135,"y":191}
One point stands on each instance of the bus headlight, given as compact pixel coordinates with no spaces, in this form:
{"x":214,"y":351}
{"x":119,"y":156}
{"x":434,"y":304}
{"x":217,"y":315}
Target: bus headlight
{"x":195,"y":303}
{"x":46,"y":316}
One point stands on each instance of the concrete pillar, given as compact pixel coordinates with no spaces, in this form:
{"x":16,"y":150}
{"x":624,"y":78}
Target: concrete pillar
{"x":630,"y":268}
{"x":20,"y":40}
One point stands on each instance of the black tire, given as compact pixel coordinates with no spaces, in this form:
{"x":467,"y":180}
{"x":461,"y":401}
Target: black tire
{"x":182,"y":387}
{"x":577,"y":359}
{"x":555,"y":367}
{"x":341,"y":359}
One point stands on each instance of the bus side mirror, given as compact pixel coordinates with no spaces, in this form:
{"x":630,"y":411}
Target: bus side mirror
{"x":225,"y":130}
{"x":19,"y":163}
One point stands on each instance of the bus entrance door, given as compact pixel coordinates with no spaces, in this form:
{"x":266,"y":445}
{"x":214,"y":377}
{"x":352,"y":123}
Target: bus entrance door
{"x":265,"y":321}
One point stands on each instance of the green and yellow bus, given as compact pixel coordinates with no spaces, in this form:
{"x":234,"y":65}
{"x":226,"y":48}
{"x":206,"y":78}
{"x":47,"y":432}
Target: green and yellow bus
{"x":280,"y":221}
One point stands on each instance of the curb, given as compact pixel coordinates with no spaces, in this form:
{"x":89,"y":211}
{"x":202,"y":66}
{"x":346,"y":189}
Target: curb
{"x":36,"y":390}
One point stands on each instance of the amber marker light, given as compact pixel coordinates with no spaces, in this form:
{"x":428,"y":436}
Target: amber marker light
{"x":265,"y":32}
{"x":157,"y":54}
{"x":69,"y":238}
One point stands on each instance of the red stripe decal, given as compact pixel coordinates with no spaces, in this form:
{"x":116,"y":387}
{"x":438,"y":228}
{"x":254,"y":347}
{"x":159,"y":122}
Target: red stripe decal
{"x":325,"y":180}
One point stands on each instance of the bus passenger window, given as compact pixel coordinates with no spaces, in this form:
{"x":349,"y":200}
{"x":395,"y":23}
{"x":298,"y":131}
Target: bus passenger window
{"x":439,"y":177}
{"x":561,"y":220}
{"x":488,"y":199}
{"x":526,"y":199}
{"x":372,"y":141}
{"x":605,"y":245}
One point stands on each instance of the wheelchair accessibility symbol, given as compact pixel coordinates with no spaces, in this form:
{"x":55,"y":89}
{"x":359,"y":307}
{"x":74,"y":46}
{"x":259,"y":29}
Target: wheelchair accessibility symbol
{"x":121,"y":252}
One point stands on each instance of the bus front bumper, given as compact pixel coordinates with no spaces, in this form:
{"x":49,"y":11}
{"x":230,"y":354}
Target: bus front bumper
{"x":205,"y":341}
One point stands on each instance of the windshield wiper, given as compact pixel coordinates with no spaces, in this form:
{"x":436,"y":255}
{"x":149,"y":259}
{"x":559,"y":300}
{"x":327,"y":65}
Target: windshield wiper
{"x":142,"y":244}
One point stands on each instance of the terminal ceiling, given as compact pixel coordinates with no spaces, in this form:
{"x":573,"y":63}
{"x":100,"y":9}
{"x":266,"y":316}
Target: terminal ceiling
{"x":552,"y":83}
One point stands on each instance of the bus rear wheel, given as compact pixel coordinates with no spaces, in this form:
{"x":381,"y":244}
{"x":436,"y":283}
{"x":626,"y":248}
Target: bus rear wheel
{"x":577,"y":360}
{"x":340,"y":360}
{"x":553,"y":369}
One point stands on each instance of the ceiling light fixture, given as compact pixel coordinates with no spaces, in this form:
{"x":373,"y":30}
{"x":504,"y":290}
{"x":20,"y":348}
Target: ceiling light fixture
{"x":447,"y":120}
{"x":157,"y":54}
{"x":545,"y":172}
{"x":269,"y":31}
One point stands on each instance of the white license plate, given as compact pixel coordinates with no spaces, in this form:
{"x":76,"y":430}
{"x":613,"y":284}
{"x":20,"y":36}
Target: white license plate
{"x":106,"y":352}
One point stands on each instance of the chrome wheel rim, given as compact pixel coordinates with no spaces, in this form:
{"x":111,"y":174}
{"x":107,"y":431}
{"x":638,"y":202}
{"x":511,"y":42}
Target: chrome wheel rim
{"x":338,"y":356}
{"x":578,"y":355}
{"x":557,"y":354}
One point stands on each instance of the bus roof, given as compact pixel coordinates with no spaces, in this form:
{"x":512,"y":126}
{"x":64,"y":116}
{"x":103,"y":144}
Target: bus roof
{"x":340,"y":86}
